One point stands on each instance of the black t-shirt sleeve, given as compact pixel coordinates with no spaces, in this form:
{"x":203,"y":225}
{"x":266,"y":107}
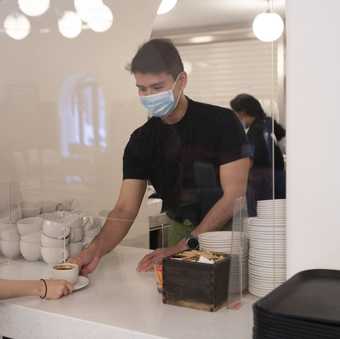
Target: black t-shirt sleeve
{"x":232,"y":141}
{"x":135,"y":160}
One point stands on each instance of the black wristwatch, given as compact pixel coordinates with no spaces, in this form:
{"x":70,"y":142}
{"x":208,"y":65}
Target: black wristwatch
{"x":192,"y":242}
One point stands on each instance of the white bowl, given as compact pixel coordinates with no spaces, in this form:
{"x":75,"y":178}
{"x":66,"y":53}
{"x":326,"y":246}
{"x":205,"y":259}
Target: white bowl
{"x":10,"y":234}
{"x":29,"y":225}
{"x":77,"y":234}
{"x":6,"y":224}
{"x":34,"y":238}
{"x":75,"y":248}
{"x":10,"y":249}
{"x":52,"y":242}
{"x":30,"y":251}
{"x":55,"y":228}
{"x":53,"y":256}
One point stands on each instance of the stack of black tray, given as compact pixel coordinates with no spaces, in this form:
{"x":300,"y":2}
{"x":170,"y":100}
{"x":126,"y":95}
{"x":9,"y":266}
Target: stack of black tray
{"x":307,"y":306}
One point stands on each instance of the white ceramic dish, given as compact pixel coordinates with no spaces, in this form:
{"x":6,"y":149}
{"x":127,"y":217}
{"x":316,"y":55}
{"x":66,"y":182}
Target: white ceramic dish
{"x":52,"y":242}
{"x":34,"y":238}
{"x":53,"y":256}
{"x":81,"y":283}
{"x":30,"y":251}
{"x":10,"y":234}
{"x":55,"y":228}
{"x":10,"y":249}
{"x":29,"y":225}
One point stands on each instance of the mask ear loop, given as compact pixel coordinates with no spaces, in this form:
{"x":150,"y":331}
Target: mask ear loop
{"x":180,"y":93}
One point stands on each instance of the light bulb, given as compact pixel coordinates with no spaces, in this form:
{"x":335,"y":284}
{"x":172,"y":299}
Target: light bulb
{"x":268,"y":26}
{"x":34,"y":7}
{"x":166,"y":6}
{"x":100,"y":19}
{"x":85,"y":8}
{"x":70,"y":25}
{"x":17,"y":26}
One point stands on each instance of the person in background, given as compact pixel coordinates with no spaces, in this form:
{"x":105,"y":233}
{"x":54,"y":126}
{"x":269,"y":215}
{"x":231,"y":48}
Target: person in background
{"x":194,"y":154}
{"x":264,"y":135}
{"x":45,"y":289}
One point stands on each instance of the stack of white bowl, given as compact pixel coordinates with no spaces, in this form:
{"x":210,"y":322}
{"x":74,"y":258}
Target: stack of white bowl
{"x":30,"y":232}
{"x":9,"y":239}
{"x":230,"y":243}
{"x":55,"y":239}
{"x":267,"y":247}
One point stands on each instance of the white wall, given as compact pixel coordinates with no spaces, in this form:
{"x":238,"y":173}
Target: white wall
{"x":313,"y":82}
{"x":32,"y":75}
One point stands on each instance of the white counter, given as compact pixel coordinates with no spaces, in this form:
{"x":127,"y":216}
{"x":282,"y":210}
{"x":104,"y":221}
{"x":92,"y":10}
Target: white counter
{"x":118,"y":303}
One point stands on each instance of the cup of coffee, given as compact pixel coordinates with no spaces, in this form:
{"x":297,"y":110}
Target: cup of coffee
{"x":66,"y":271}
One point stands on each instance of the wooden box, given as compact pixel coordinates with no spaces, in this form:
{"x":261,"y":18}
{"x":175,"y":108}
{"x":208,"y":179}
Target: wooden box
{"x":196,"y":285}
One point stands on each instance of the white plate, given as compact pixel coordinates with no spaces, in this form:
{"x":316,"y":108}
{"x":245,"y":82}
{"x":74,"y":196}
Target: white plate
{"x":81,"y":283}
{"x":264,"y":279}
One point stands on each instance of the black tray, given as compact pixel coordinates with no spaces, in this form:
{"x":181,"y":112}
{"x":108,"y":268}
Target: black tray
{"x":312,"y":295}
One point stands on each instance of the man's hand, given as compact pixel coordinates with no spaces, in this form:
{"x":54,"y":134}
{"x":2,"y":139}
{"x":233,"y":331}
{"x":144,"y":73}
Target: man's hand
{"x":87,"y":260}
{"x":156,"y":257}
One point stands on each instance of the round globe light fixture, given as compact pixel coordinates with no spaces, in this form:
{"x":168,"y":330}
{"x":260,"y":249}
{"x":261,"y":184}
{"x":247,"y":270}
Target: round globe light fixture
{"x":166,"y":6}
{"x":34,"y":7}
{"x":101,"y":19}
{"x":17,"y":26}
{"x":70,"y":25}
{"x":85,"y":8}
{"x":268,"y":26}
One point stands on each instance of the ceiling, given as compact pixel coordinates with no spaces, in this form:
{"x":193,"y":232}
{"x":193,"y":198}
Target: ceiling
{"x":202,"y":14}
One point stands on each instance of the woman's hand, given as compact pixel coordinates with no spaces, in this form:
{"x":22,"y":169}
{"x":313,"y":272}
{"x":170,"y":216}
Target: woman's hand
{"x":56,"y":289}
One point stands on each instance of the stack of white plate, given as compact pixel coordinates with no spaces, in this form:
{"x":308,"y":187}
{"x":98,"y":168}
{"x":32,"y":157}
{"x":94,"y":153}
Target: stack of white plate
{"x":271,"y":209}
{"x":229,"y":243}
{"x":267,"y":247}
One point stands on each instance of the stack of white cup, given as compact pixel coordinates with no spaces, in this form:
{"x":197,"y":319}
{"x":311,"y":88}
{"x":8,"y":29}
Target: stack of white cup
{"x":30,"y":233}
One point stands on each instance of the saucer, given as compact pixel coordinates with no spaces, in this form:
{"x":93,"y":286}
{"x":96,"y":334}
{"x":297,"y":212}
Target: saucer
{"x":81,"y":283}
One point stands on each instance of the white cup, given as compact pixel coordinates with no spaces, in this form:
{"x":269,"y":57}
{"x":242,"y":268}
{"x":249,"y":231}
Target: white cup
{"x":75,"y":248}
{"x":53,"y":256}
{"x":10,"y":249}
{"x":66,"y":271}
{"x":10,"y":234}
{"x":29,"y":225}
{"x":55,"y":228}
{"x":34,"y":238}
{"x":5,"y":224}
{"x":52,"y":242}
{"x":30,"y":251}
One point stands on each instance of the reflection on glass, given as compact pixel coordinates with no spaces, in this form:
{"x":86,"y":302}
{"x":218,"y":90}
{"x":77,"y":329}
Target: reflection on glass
{"x":82,"y":115}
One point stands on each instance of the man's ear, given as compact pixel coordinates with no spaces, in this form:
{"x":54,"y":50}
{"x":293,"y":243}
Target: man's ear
{"x":184,"y":79}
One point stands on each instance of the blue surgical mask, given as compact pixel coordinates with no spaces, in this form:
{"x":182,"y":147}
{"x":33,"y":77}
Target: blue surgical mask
{"x":161,"y":104}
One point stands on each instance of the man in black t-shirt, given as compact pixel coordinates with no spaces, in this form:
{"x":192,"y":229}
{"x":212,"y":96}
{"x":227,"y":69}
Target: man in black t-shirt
{"x":194,"y":154}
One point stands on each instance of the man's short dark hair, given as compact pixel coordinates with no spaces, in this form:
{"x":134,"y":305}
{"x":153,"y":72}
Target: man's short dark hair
{"x":157,"y":56}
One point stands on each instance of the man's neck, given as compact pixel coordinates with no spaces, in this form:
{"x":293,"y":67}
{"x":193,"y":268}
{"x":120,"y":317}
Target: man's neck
{"x":178,"y":114}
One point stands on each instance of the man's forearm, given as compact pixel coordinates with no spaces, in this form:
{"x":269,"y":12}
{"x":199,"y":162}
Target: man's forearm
{"x":218,"y":215}
{"x":115,"y":229}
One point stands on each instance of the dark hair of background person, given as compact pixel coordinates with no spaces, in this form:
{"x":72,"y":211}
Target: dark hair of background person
{"x":157,"y":56}
{"x":248,"y":104}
